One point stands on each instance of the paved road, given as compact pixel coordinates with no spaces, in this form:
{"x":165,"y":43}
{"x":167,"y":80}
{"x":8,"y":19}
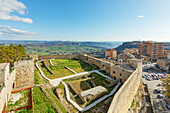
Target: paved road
{"x":158,"y":104}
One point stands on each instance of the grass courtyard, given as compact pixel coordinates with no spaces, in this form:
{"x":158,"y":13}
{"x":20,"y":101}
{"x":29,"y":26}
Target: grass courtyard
{"x":59,"y":69}
{"x":76,"y":65}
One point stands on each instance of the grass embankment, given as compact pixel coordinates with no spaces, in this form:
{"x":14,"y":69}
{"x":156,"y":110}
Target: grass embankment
{"x":61,"y":107}
{"x":38,"y":79}
{"x":41,"y":102}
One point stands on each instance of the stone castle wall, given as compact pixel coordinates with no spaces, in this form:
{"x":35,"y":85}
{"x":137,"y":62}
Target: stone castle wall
{"x":58,"y":56}
{"x":24,"y":70}
{"x":98,"y":62}
{"x":120,"y":74}
{"x":124,"y":97}
{"x":5,"y":90}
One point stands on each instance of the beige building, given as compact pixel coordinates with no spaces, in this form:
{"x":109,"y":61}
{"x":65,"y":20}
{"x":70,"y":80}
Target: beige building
{"x":154,"y":50}
{"x":168,"y":55}
{"x":164,"y":64}
{"x":110,"y":53}
{"x":130,"y":50}
{"x":34,"y":56}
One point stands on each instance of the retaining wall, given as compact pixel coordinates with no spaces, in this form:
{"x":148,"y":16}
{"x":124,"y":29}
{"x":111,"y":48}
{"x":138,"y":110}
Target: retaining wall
{"x":124,"y":97}
{"x":58,"y":56}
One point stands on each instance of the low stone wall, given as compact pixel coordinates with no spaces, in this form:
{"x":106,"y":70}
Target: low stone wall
{"x":124,"y":97}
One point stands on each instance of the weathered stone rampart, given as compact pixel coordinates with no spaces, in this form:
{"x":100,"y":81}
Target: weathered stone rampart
{"x":58,"y":56}
{"x":124,"y":97}
{"x":24,"y":73}
{"x":6,"y":88}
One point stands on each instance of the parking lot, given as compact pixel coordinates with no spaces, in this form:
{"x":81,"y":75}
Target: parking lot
{"x":159,"y":103}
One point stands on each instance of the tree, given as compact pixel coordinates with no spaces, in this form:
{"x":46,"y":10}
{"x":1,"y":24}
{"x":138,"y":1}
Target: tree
{"x":11,"y":53}
{"x":166,"y":84}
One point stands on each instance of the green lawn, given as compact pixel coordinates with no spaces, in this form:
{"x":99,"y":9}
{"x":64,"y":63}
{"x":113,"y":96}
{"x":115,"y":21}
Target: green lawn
{"x":61,"y":107}
{"x":76,"y":65}
{"x":41,"y":102}
{"x":98,"y":79}
{"x":59,"y":71}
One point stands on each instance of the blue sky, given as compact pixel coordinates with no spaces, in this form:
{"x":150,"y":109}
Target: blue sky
{"x":85,"y":20}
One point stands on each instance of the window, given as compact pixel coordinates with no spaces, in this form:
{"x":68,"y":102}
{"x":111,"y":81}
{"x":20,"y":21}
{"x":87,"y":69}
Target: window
{"x":120,"y":80}
{"x":114,"y":72}
{"x":120,"y":74}
{"x":13,"y":86}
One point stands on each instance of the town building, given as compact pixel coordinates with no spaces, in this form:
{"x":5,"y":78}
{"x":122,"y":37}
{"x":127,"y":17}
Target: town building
{"x":110,"y":53}
{"x":130,"y":51}
{"x":154,"y":50}
{"x":166,"y":54}
{"x":164,"y":64}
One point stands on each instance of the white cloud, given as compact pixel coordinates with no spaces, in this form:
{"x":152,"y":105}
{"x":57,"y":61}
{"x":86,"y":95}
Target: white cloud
{"x":7,"y":30}
{"x":141,"y":16}
{"x":9,"y":6}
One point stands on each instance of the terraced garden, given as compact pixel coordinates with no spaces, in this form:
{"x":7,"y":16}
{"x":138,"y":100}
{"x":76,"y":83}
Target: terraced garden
{"x":59,"y":69}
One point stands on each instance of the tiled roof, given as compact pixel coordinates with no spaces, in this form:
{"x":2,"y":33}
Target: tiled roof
{"x":111,"y":49}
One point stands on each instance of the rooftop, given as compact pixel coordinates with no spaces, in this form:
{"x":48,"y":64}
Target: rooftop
{"x":111,"y":49}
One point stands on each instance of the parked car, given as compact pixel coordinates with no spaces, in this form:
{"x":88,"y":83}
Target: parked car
{"x":153,"y":77}
{"x":159,"y":85}
{"x":159,"y":96}
{"x":168,"y":106}
{"x":157,"y":91}
{"x":149,"y":78}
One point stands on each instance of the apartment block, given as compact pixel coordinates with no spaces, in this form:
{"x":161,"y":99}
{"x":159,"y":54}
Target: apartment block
{"x":154,"y":50}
